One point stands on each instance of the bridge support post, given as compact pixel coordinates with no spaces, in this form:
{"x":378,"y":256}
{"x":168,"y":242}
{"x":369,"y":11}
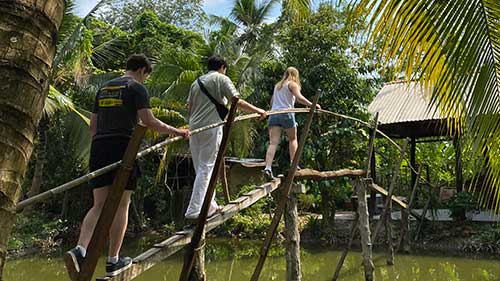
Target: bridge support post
{"x":198,"y":271}
{"x":292,"y":235}
{"x":388,"y":232}
{"x":364,"y":229}
{"x":405,"y":231}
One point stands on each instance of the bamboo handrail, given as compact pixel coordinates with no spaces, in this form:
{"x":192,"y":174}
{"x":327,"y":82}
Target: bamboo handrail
{"x":87,"y":177}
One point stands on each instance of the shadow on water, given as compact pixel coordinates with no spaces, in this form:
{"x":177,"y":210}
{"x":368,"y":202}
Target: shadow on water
{"x":229,"y":260}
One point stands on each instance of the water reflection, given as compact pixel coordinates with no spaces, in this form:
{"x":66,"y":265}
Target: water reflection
{"x":234,"y":261}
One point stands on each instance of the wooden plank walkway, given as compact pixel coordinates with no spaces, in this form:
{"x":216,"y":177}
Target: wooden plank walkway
{"x":173,"y":244}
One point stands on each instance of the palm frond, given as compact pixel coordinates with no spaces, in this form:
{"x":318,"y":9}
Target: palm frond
{"x":111,"y":50}
{"x":73,"y":39}
{"x":297,"y":10}
{"x":57,"y":102}
{"x":76,"y":125}
{"x":453,"y":48}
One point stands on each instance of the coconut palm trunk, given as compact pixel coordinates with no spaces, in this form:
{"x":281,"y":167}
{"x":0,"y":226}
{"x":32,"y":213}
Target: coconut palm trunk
{"x":28,"y":31}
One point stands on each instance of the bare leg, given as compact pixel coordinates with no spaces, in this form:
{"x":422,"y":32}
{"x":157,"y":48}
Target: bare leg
{"x":119,"y":226}
{"x":292,"y":142}
{"x":274,"y":140}
{"x":90,"y":220}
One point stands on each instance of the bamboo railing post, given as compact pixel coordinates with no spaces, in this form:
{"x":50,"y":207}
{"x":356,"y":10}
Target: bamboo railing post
{"x":292,"y":236}
{"x":354,"y":227}
{"x":198,"y":271}
{"x":390,"y":192}
{"x":369,"y":167}
{"x":223,"y":180}
{"x":404,"y":238}
{"x":115,"y":192}
{"x":286,"y":191}
{"x":388,"y":233}
{"x":424,"y":212}
{"x":364,"y":229}
{"x":202,"y":218}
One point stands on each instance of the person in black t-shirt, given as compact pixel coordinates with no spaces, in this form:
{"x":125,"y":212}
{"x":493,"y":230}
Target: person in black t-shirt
{"x":118,"y":106}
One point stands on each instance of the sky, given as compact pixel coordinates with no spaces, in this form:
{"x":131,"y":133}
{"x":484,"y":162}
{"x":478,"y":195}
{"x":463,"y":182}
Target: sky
{"x":211,"y":7}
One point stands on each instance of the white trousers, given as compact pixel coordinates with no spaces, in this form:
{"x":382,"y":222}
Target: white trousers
{"x":204,"y":147}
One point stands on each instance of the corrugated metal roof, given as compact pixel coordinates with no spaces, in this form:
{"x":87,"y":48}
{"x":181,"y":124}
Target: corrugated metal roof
{"x":399,"y":102}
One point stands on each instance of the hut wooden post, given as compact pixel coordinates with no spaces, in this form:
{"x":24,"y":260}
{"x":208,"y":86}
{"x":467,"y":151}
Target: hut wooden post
{"x":364,"y":230}
{"x":292,"y":235}
{"x":111,"y":205}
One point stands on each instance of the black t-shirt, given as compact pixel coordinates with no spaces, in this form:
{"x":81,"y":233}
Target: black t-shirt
{"x":116,"y":105}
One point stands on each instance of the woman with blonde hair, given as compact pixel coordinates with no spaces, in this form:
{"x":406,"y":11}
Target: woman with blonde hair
{"x":286,"y":92}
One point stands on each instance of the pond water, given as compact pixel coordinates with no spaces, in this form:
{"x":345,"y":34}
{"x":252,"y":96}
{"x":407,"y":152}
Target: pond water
{"x":235,"y":260}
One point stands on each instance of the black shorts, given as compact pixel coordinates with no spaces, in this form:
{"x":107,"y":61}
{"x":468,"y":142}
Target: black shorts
{"x":106,"y":151}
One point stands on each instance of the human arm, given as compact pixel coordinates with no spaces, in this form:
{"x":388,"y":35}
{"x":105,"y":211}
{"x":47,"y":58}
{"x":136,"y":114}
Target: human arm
{"x":147,"y":117}
{"x":295,"y":90}
{"x":251,"y":108}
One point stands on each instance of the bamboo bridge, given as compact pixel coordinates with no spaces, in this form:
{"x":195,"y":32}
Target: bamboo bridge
{"x":286,"y":187}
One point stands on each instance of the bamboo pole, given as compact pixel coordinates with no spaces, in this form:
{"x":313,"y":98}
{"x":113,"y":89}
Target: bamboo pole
{"x":80,"y":180}
{"x":369,"y":158}
{"x":388,"y":199}
{"x":87,"y":177}
{"x":286,"y":191}
{"x":101,"y":231}
{"x":388,"y":234}
{"x":364,"y":230}
{"x":424,"y":212}
{"x":292,"y":236}
{"x":223,"y":180}
{"x":202,"y":218}
{"x":354,"y":227}
{"x":405,"y":217}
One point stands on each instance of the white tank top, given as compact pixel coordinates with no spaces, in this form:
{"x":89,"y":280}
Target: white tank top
{"x":283,"y":98}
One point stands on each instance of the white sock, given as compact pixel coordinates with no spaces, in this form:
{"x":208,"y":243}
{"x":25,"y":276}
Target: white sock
{"x":268,"y":168}
{"x":113,"y":259}
{"x":82,"y":250}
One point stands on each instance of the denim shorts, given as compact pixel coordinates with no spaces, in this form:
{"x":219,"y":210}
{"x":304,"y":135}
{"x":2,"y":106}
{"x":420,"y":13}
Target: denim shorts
{"x":284,"y":120}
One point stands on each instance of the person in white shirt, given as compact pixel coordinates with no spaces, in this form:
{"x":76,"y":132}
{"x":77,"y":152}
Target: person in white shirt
{"x":209,"y":89}
{"x":286,"y":93}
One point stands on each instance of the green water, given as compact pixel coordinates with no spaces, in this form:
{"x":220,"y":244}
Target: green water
{"x":230,"y":260}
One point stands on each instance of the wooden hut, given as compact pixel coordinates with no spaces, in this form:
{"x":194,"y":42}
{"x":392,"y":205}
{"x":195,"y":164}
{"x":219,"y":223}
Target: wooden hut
{"x":405,"y":111}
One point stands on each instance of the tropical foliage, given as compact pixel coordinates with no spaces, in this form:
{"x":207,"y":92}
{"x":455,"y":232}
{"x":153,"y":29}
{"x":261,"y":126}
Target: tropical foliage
{"x":453,"y":47}
{"x":408,"y":36}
